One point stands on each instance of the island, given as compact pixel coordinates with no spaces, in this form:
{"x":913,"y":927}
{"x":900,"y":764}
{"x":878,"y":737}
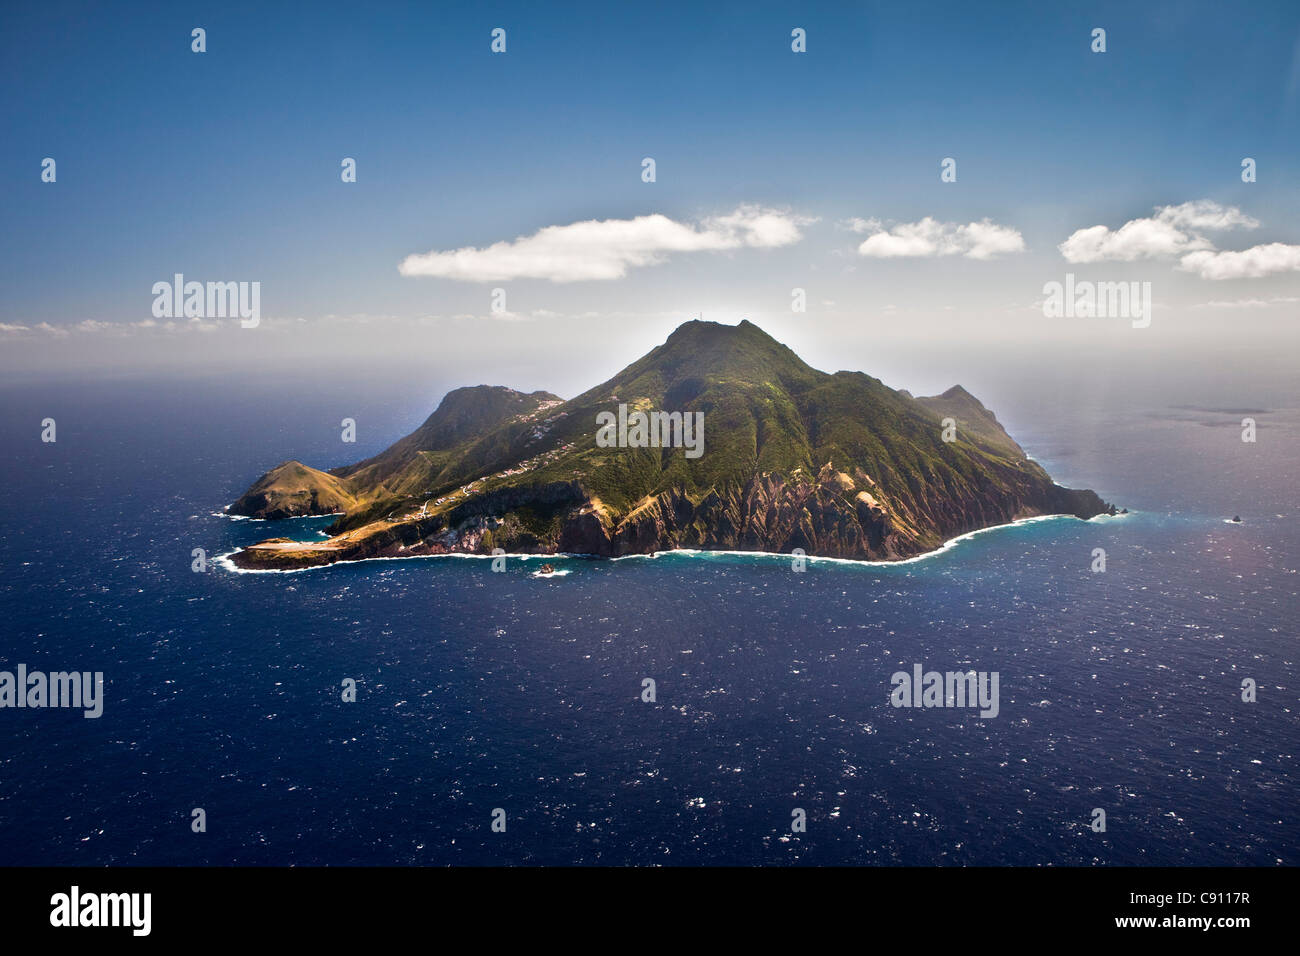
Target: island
{"x":786,"y":458}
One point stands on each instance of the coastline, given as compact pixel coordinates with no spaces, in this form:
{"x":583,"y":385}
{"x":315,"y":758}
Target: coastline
{"x":224,"y":560}
{"x":225,"y":513}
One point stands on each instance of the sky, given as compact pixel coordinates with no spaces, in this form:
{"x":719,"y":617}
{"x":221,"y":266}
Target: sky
{"x":523,"y":171}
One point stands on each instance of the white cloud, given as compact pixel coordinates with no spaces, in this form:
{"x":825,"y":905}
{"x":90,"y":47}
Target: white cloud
{"x":862,"y":225}
{"x":1205,"y":214}
{"x":1172,"y":231}
{"x":7,"y":327}
{"x":1251,"y":263}
{"x":976,"y":240}
{"x":607,"y":248}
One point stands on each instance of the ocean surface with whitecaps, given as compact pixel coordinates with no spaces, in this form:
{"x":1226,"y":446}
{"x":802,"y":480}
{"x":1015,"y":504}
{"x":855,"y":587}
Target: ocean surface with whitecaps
{"x":477,"y":690}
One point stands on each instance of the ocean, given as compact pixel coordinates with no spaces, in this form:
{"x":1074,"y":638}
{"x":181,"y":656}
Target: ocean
{"x":479,"y":691}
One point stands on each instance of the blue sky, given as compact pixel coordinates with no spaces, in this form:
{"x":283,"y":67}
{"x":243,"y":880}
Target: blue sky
{"x":225,"y":165}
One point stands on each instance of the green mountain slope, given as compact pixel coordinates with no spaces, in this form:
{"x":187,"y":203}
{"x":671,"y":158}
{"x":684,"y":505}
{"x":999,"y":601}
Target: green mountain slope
{"x":836,"y":464}
{"x":407,"y":468}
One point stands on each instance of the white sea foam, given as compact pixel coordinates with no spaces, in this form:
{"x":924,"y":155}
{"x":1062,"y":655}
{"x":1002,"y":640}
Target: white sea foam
{"x":857,"y":562}
{"x":224,"y":513}
{"x":224,"y":562}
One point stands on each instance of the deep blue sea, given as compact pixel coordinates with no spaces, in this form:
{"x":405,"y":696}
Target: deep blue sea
{"x":477,"y":690}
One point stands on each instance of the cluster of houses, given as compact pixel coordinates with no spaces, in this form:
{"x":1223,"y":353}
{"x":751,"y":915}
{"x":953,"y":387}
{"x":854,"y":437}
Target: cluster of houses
{"x":546,"y":424}
{"x":535,"y":462}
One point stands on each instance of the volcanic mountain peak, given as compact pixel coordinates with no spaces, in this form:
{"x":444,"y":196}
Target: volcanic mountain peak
{"x":698,"y":354}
